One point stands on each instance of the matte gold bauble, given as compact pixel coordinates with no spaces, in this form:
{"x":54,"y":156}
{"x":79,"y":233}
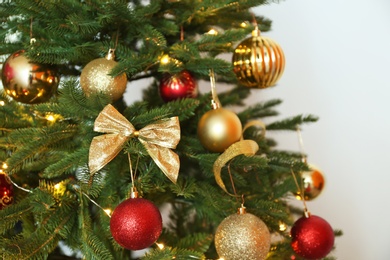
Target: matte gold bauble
{"x":313,"y":184}
{"x":218,"y":129}
{"x":28,"y":82}
{"x":258,"y":61}
{"x":242,"y":236}
{"x":95,"y":78}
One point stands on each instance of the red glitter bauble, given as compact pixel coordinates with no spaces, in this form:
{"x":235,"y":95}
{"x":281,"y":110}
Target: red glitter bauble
{"x":6,"y":191}
{"x":180,"y":85}
{"x":312,"y":237}
{"x":136,"y":224}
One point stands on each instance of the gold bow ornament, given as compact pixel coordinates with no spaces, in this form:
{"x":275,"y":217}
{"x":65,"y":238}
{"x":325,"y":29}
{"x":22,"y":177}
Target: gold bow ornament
{"x":158,"y":138}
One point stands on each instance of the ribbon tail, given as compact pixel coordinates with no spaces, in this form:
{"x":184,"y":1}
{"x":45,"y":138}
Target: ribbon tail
{"x":103,"y":149}
{"x":165,"y":158}
{"x":255,"y":123}
{"x":246,"y":147}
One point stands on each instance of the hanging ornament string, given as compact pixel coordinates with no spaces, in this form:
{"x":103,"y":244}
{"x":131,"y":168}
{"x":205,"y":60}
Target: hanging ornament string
{"x":32,"y":39}
{"x":243,"y":147}
{"x":133,"y":190}
{"x":158,"y":139}
{"x":215,"y":103}
{"x":301,"y":145}
{"x":301,"y":190}
{"x":234,"y":187}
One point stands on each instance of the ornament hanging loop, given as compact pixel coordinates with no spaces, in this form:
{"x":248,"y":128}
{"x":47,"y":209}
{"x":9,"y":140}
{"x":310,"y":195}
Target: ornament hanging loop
{"x":301,"y":191}
{"x":301,"y":145}
{"x":215,"y":103}
{"x":110,"y":54}
{"x":133,"y":189}
{"x":32,"y":39}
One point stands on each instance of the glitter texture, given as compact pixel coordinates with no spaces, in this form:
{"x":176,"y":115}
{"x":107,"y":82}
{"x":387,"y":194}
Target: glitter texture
{"x":136,"y":224}
{"x":95,"y":78}
{"x":242,"y":236}
{"x":312,"y":237}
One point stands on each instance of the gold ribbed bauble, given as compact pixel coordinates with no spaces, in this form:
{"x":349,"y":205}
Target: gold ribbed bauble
{"x":28,"y":82}
{"x":95,"y":78}
{"x":218,"y":129}
{"x":258,"y":61}
{"x":313,"y":184}
{"x":242,"y":236}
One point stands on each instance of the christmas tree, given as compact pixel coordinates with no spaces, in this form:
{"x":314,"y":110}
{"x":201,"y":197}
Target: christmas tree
{"x":84,"y":171}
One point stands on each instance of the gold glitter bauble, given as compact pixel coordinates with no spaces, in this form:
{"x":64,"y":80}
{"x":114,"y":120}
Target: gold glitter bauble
{"x":28,"y":82}
{"x":258,"y":61}
{"x":313,"y":184}
{"x":218,"y":129}
{"x":242,"y":236}
{"x":95,"y":78}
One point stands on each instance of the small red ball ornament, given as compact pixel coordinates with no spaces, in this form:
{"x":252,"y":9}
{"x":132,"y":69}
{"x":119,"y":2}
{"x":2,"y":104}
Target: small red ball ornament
{"x":6,"y":191}
{"x":180,"y":85}
{"x":136,"y":223}
{"x":312,"y":237}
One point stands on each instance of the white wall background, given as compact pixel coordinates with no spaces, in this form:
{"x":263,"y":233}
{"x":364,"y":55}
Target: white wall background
{"x":337,"y":55}
{"x":337,"y":67}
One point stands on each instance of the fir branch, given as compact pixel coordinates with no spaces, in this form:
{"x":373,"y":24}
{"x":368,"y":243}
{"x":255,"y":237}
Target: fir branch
{"x":35,"y":141}
{"x":291,"y":123}
{"x":68,"y":163}
{"x":199,"y":242}
{"x":12,"y":214}
{"x":259,"y":110}
{"x":202,"y":66}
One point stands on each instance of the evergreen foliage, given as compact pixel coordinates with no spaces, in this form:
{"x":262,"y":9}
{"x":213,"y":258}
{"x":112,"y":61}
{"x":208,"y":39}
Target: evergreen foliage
{"x":61,"y":200}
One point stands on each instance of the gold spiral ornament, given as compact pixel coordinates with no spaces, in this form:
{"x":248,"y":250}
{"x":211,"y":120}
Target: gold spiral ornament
{"x":258,"y":61}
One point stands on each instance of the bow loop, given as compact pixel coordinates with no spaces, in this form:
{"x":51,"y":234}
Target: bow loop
{"x":158,"y":138}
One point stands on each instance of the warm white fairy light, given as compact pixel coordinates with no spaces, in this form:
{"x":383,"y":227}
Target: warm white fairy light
{"x":282,"y":226}
{"x":244,"y":24}
{"x":165,"y":59}
{"x":160,"y":245}
{"x":108,"y":212}
{"x":4,"y":166}
{"x":59,"y":189}
{"x":212,"y":32}
{"x":2,"y":103}
{"x":50,"y":118}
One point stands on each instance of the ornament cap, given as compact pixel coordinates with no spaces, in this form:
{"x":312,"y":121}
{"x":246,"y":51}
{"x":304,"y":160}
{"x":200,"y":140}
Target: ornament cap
{"x":134,"y":193}
{"x":256,"y":32}
{"x":111,"y":54}
{"x":241,"y":210}
{"x":307,"y":213}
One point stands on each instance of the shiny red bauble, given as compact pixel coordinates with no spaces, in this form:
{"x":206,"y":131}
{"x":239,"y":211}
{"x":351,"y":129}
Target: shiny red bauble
{"x":6,"y":191}
{"x":312,"y":237}
{"x":177,"y":86}
{"x":136,"y":223}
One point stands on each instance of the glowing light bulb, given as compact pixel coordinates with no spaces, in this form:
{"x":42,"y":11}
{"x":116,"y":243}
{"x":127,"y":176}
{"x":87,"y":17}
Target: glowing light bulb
{"x":282,"y":226}
{"x":212,"y":32}
{"x":160,"y":245}
{"x":244,"y":24}
{"x":165,"y":59}
{"x":108,"y":212}
{"x":50,"y":118}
